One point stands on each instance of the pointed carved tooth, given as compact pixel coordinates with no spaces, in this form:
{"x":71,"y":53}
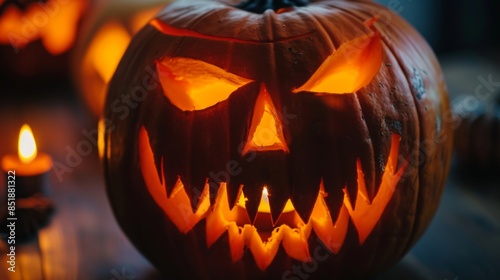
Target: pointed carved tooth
{"x":193,"y":190}
{"x":159,"y":167}
{"x":216,"y":220}
{"x":333,"y":197}
{"x":233,"y":192}
{"x":330,"y":229}
{"x":253,"y":193}
{"x":366,"y":214}
{"x":278,"y":197}
{"x":195,"y":180}
{"x":351,"y":186}
{"x":304,"y":197}
{"x":174,"y":165}
{"x":333,"y":182}
{"x":214,"y":188}
{"x":197,"y":193}
{"x":177,"y":206}
{"x":169,"y":179}
{"x":305,"y":174}
{"x":329,"y":226}
{"x":278,"y":186}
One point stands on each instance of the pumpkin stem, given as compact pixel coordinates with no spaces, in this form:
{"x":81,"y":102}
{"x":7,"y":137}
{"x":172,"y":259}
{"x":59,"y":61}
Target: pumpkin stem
{"x":260,"y":6}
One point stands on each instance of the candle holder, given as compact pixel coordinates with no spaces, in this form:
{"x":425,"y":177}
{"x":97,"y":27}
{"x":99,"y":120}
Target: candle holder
{"x":32,"y":214}
{"x":29,"y":178}
{"x":28,"y":206}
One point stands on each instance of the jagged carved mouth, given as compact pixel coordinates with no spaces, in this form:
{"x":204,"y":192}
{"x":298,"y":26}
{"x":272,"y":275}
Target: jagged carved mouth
{"x":263,"y":236}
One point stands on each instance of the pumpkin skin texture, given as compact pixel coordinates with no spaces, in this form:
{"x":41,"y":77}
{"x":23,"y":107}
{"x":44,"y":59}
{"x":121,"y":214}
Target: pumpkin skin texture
{"x":328,"y":146}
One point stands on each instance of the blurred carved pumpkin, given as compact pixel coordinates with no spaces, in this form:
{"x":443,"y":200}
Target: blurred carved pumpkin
{"x":36,"y":36}
{"x":477,"y":139}
{"x":276,"y":139}
{"x":105,"y":37}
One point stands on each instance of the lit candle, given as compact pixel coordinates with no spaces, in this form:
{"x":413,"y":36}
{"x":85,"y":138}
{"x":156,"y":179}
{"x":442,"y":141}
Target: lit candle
{"x":27,"y":170}
{"x":263,"y":220}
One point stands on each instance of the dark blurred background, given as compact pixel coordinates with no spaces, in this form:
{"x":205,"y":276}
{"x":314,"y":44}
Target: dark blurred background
{"x":451,"y":26}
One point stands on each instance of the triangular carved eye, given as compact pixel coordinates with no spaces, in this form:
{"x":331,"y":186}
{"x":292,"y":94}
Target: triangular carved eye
{"x":350,"y":68}
{"x":192,"y":84}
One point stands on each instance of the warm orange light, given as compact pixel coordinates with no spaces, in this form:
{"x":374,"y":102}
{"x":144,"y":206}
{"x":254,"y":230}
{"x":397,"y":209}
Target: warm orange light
{"x":266,"y":134}
{"x":349,"y":68}
{"x":266,"y":130}
{"x":292,"y":235}
{"x":101,"y":133}
{"x":26,"y":145}
{"x":61,"y":30}
{"x":366,"y":214}
{"x":54,"y":22}
{"x":264,"y":206}
{"x":192,"y":84}
{"x":106,"y":50}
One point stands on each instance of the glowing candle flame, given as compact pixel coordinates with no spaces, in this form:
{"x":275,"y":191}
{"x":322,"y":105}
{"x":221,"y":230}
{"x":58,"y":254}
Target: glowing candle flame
{"x":264,"y":202}
{"x":264,"y":206}
{"x":27,"y":145}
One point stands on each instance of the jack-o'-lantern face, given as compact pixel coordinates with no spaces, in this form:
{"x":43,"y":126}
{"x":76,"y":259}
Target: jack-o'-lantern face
{"x":263,"y":135}
{"x":266,"y":191}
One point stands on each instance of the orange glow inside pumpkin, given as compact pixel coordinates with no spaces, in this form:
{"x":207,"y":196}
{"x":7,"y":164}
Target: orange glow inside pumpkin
{"x":54,"y":22}
{"x":264,"y":206}
{"x":293,"y":235}
{"x":349,"y":68}
{"x":266,"y":132}
{"x":192,"y":84}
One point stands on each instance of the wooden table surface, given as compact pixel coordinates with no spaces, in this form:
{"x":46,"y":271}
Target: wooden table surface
{"x":83,"y":241}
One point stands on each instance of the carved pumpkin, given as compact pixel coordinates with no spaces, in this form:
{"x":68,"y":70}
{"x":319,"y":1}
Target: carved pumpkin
{"x":105,"y":38}
{"x":278,"y":139}
{"x":35,"y":36}
{"x":476,"y":139}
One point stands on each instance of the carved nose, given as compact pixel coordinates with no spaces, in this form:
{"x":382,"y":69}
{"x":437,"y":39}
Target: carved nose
{"x":266,"y":129}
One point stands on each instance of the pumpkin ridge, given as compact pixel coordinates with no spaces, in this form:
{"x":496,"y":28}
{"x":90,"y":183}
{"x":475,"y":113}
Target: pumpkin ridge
{"x":423,"y":212}
{"x":227,"y":22}
{"x":372,"y":187}
{"x":412,"y":237}
{"x":386,"y":43}
{"x":319,"y":27}
{"x":394,"y":53}
{"x":324,"y":28}
{"x":238,"y":31}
